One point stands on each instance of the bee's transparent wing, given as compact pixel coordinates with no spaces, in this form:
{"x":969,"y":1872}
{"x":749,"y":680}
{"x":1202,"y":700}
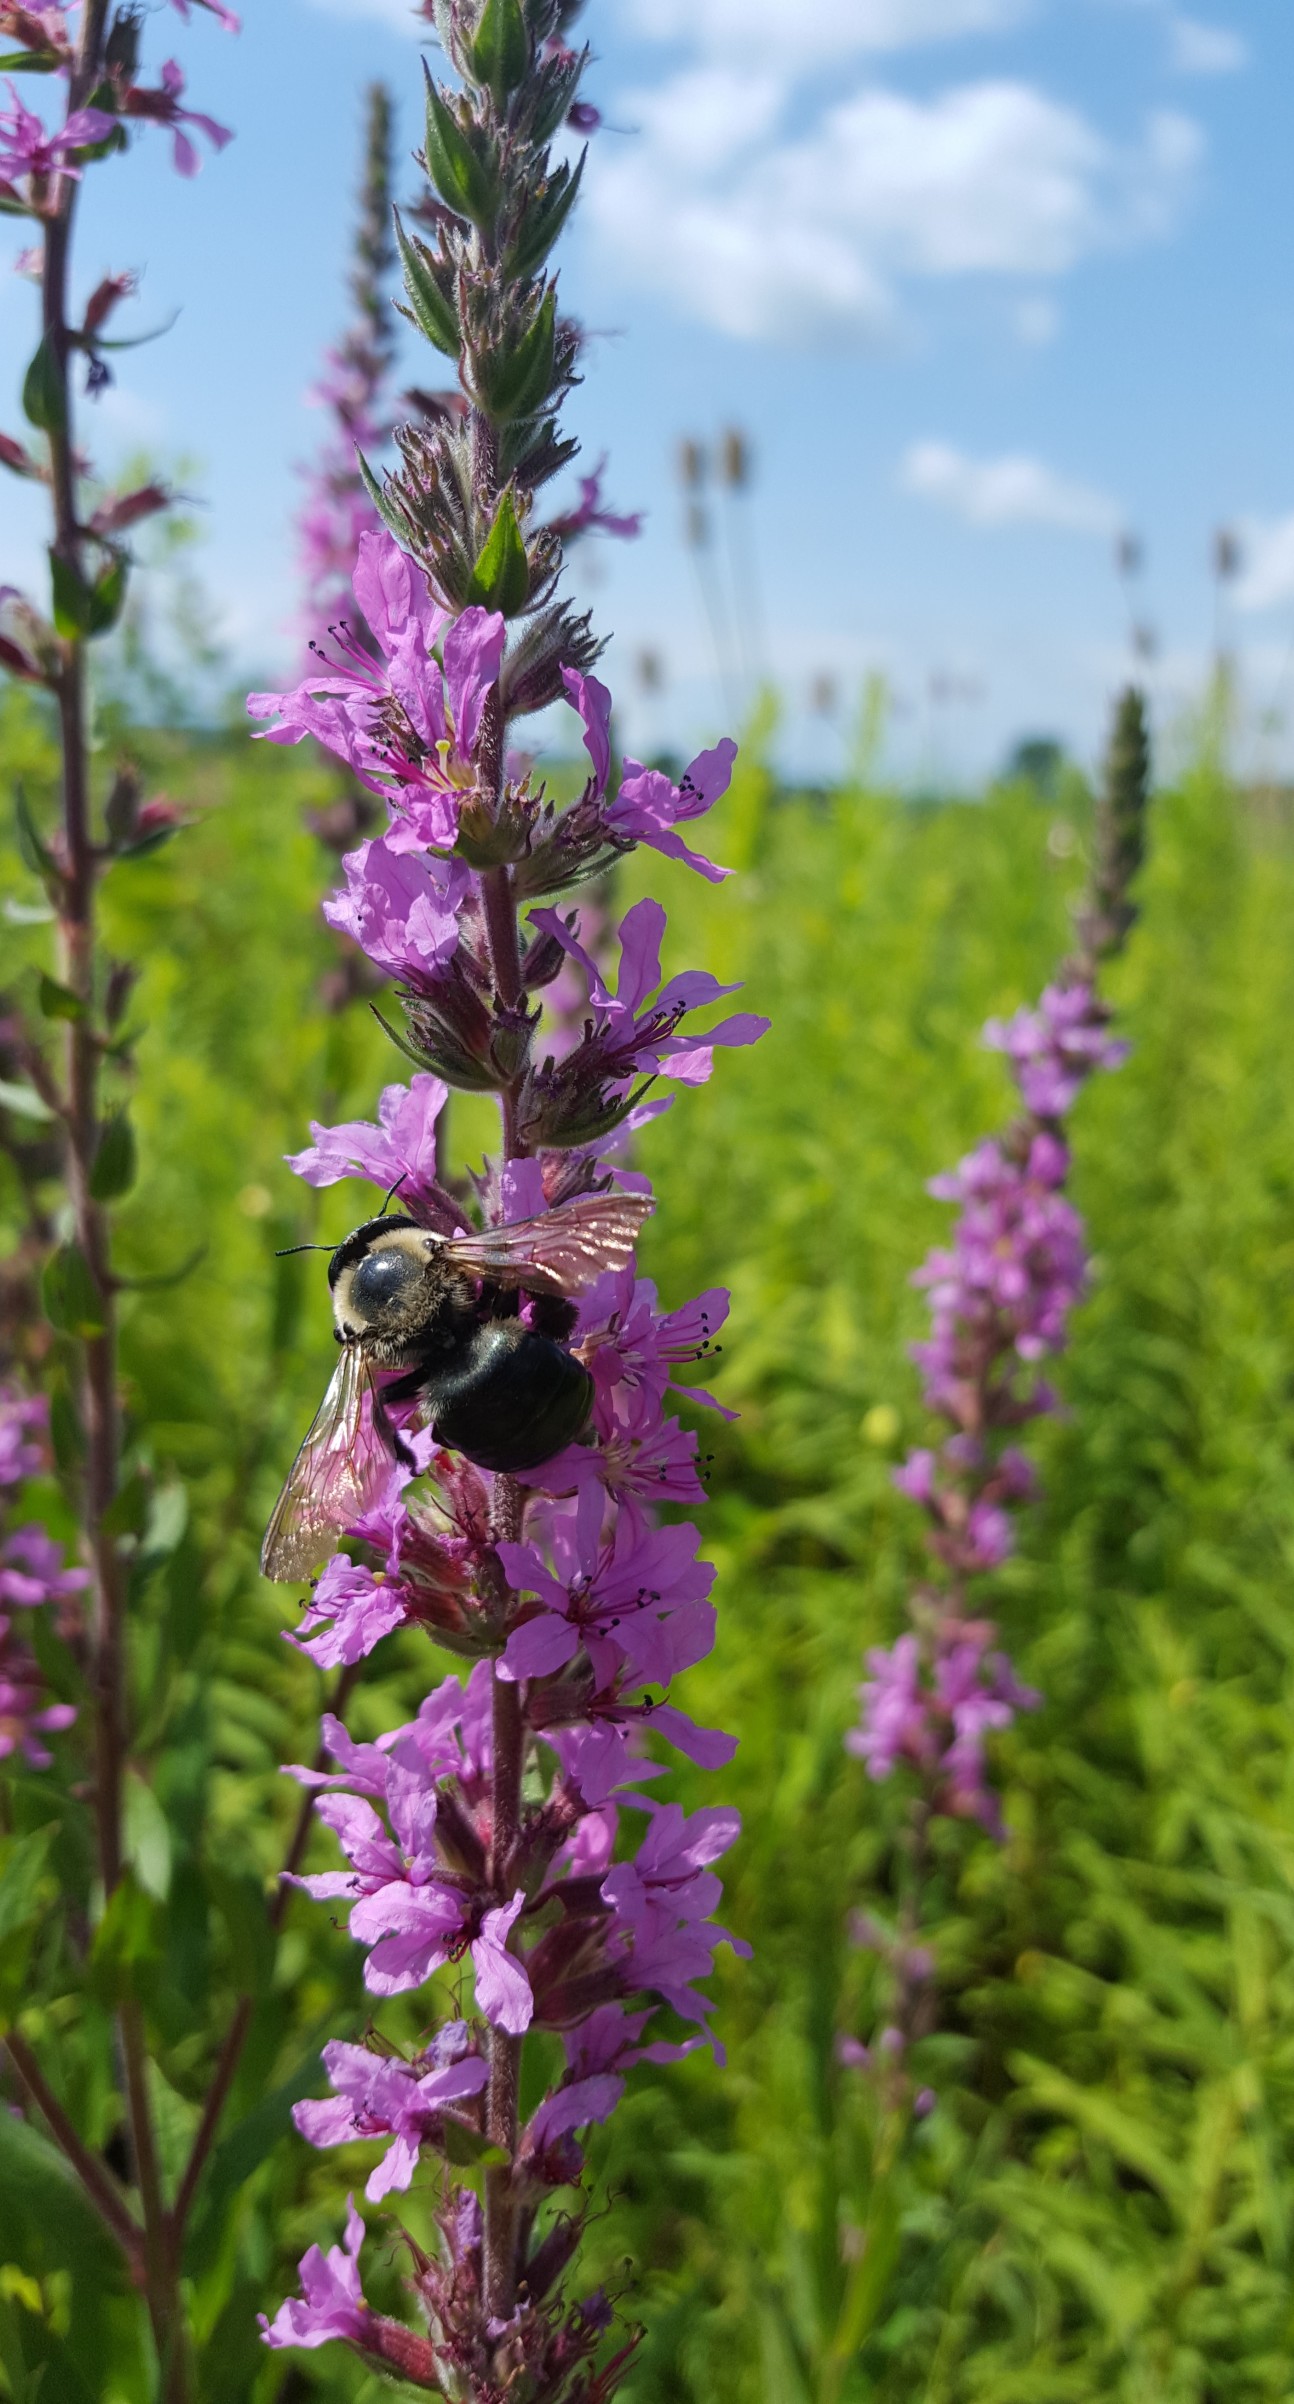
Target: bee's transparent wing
{"x":561,"y":1253}
{"x":338,"y":1475}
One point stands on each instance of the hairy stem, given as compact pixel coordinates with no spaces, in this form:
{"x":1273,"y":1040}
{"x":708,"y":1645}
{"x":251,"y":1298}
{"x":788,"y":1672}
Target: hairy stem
{"x":99,"y":1409}
{"x":505,"y":2051}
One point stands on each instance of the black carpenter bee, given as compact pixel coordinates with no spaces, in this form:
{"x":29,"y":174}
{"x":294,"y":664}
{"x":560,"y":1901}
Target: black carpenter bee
{"x":445,"y":1311}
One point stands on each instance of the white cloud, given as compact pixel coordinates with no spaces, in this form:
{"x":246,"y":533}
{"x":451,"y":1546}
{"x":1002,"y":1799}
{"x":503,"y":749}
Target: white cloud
{"x":1012,"y":491}
{"x":1198,"y":49}
{"x":1267,"y":563}
{"x":809,"y":234}
{"x":812,"y":31}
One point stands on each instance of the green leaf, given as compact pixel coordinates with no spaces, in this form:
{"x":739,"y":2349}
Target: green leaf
{"x":73,"y":599}
{"x":35,"y":852}
{"x":467,"y":2150}
{"x":30,"y":62}
{"x":72,"y":1300}
{"x":127,"y":1513}
{"x":58,"y":1001}
{"x":168,"y":1517}
{"x":44,"y":394}
{"x":516,"y":383}
{"x":127,"y":1946}
{"x":464,"y":181}
{"x":24,"y":1897}
{"x":242,"y":2152}
{"x":22,"y":1867}
{"x":501,"y":577}
{"x":24,"y":1102}
{"x":542,"y":221}
{"x":107,"y":596}
{"x":389,"y":514}
{"x":47,"y":2225}
{"x":501,"y":51}
{"x":148,"y":1837}
{"x":432,"y":313}
{"x":113,"y":1173}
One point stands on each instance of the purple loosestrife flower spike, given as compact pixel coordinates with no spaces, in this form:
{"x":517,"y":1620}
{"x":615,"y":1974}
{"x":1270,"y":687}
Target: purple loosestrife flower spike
{"x":501,"y":1855}
{"x":355,"y":390}
{"x":1001,"y":1292}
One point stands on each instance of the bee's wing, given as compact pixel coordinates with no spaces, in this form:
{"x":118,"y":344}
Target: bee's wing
{"x":561,"y":1253}
{"x":337,"y":1476}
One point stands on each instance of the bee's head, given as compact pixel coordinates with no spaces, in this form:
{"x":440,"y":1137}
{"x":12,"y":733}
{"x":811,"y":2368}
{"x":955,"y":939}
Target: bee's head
{"x":386,"y":1285}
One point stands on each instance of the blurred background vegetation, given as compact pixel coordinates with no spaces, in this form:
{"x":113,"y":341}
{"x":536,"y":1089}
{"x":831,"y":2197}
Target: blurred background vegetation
{"x":1100,"y":2204}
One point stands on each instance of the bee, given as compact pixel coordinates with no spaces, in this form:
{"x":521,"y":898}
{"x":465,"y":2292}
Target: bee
{"x":445,"y":1313}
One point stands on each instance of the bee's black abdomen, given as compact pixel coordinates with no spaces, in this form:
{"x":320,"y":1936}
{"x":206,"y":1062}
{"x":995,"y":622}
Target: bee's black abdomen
{"x":512,"y":1399}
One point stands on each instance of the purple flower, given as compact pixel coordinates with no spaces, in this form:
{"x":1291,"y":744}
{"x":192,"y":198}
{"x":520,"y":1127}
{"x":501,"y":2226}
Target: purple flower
{"x":648,"y":807}
{"x":25,"y":1717}
{"x":351,"y":1610}
{"x":591,"y":514}
{"x":332,"y":2303}
{"x":26,"y":148}
{"x":215,"y":8}
{"x":24,"y":1419}
{"x":896,"y":1710}
{"x":32,"y":1570}
{"x":608,"y":1598}
{"x":632,"y":1031}
{"x":402,"y":910}
{"x":376,"y":2096}
{"x":162,"y":107}
{"x":1054,"y":1049}
{"x":589,"y":697}
{"x":632,"y":1348}
{"x":405,"y":727}
{"x":401,"y":1147}
{"x":672,"y":1865}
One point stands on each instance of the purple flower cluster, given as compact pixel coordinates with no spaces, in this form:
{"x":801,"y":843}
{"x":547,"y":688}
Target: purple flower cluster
{"x":34,"y":158}
{"x":575,"y":1607}
{"x":1001,"y":1292}
{"x":32,"y":1574}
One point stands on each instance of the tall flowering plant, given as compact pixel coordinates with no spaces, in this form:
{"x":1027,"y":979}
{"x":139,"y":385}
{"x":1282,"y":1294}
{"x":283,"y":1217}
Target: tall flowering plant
{"x":505,"y":1841}
{"x":77,"y":93}
{"x":355,"y":390}
{"x":1001,"y":1292}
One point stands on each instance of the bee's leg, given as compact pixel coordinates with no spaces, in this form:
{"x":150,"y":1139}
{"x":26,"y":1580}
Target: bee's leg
{"x":553,"y":1315}
{"x":403,"y":1390}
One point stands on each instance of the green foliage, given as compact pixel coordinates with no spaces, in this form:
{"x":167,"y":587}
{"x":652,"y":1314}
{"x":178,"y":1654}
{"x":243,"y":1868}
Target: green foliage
{"x":1100,"y":2204}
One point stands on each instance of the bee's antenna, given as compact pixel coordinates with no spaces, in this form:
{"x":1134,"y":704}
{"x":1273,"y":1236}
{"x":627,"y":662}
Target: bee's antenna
{"x":401,"y":1180}
{"x":289,"y":1249}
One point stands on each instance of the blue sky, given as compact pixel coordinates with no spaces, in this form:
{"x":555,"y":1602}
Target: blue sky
{"x":983,"y":281}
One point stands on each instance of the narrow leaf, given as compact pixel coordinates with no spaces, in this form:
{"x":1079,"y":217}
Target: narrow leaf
{"x":501,"y":578}
{"x":73,"y":599}
{"x":72,"y":1300}
{"x":44,"y":396}
{"x":462,"y":179}
{"x":113,"y":1173}
{"x":433,"y":315}
{"x":501,"y":51}
{"x":58,"y":1001}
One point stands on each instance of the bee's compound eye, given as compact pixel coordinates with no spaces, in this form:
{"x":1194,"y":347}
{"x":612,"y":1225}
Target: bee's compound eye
{"x":379,"y":1279}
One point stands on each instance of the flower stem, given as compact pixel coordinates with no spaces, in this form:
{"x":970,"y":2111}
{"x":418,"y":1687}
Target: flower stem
{"x":99,"y":1407}
{"x":500,"y":2256}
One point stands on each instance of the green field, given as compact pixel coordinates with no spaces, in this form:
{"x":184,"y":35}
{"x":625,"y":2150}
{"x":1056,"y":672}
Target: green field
{"x":1100,"y":2206}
